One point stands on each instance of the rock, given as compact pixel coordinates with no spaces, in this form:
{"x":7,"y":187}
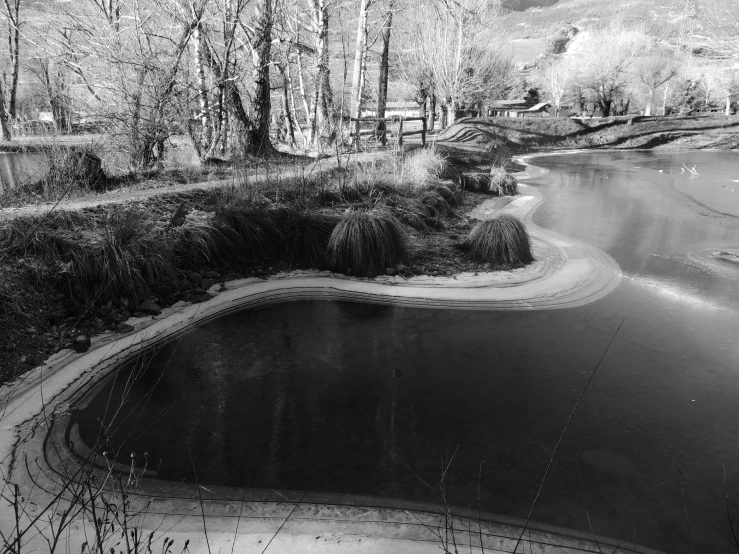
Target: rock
{"x":198,"y":298}
{"x":139,"y":314}
{"x":125,"y":314}
{"x":97,"y":321}
{"x":123,"y":328}
{"x":162,"y":290}
{"x":195,"y":278}
{"x":31,"y":361}
{"x":390,"y":271}
{"x":116,"y":317}
{"x":207,"y":283}
{"x":185,"y":285}
{"x":212,"y":275}
{"x":148,"y":306}
{"x":81,"y":344}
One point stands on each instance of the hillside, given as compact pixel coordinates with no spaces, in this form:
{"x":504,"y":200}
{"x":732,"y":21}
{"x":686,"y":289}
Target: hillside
{"x":707,"y":19}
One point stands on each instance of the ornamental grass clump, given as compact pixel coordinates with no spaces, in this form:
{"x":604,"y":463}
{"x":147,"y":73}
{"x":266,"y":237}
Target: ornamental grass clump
{"x":252,"y":230}
{"x":306,"y":234}
{"x":503,"y":240}
{"x":364,"y":243}
{"x":502,"y":183}
{"x":423,"y":167}
{"x":130,"y":254}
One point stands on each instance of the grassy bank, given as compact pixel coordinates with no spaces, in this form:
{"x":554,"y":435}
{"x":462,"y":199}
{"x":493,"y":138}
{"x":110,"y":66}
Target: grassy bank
{"x":79,"y":273}
{"x":532,"y":134}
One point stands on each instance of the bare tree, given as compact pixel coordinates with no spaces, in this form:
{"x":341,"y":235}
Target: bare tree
{"x":257,"y":139}
{"x":451,"y":42}
{"x":555,"y":78}
{"x":608,"y":55}
{"x":728,"y":85}
{"x":654,"y":71}
{"x":130,"y":53}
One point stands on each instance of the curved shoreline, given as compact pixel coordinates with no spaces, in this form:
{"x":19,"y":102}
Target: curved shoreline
{"x":567,"y":273}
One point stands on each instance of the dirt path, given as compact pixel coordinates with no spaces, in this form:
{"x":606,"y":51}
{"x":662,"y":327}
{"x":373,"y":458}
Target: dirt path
{"x":126,"y":194}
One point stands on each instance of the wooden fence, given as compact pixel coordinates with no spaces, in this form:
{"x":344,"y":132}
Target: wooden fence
{"x":379,"y":128}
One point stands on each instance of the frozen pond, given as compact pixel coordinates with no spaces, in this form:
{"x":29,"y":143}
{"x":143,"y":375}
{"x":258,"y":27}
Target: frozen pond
{"x":353,"y":398}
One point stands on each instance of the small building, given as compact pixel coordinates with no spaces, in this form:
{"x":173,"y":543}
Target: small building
{"x":517,"y":108}
{"x":393,"y":109}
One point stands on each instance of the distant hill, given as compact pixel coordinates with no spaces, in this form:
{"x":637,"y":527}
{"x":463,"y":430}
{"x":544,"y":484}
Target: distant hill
{"x":530,"y":23}
{"x":521,"y":5}
{"x":537,"y":18}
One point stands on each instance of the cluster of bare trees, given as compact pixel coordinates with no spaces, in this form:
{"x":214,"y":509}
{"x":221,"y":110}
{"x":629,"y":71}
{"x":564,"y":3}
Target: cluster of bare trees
{"x":237,"y":74}
{"x":148,"y":69}
{"x":616,"y":64}
{"x":454,"y":56}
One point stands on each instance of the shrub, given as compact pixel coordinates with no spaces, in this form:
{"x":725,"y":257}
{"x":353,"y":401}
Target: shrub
{"x":409,"y":211}
{"x":306,"y":233}
{"x":423,"y":167}
{"x":447,"y":192}
{"x":252,"y":230}
{"x":364,"y":243}
{"x":198,"y":240}
{"x":501,"y":241}
{"x":435,"y":204}
{"x":502,"y":183}
{"x":132,"y":254}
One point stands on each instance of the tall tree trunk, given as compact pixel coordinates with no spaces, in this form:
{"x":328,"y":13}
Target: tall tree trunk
{"x":4,"y":129}
{"x":198,"y":43}
{"x":664,"y":101}
{"x":385,"y":62}
{"x":322,"y":98}
{"x":432,"y":112}
{"x":12,"y":8}
{"x":294,"y":111}
{"x":650,"y":101}
{"x":289,"y":125}
{"x":257,"y":134}
{"x":301,"y":86}
{"x":359,"y":55}
{"x":422,"y":107}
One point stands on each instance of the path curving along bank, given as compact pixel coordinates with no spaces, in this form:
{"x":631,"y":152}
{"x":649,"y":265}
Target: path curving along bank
{"x":39,"y":449}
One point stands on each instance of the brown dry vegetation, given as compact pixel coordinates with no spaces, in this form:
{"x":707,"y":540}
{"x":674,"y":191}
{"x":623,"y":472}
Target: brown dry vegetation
{"x":84,"y":272}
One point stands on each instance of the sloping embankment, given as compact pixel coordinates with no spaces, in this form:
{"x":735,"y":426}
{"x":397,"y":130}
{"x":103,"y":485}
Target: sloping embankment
{"x":529,"y":134}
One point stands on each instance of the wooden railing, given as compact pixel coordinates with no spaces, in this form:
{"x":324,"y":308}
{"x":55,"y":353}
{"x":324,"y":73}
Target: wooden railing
{"x":379,"y":131}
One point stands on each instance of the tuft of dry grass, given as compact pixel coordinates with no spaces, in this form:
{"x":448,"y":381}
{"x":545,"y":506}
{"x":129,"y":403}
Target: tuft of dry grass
{"x":502,"y":183}
{"x":423,"y":167}
{"x":502,"y":240}
{"x":306,"y":235}
{"x":364,"y":243}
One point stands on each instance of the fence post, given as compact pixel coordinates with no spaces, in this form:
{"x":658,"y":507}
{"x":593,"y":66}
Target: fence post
{"x":423,"y":131}
{"x":400,"y":132}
